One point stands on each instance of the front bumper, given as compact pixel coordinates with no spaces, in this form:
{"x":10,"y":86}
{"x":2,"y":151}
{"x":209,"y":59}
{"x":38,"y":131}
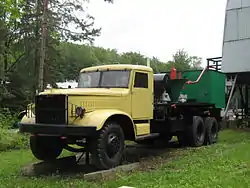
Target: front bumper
{"x":58,"y":130}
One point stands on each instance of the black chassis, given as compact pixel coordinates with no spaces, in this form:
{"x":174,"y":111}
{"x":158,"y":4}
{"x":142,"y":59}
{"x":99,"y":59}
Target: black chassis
{"x":169,"y":119}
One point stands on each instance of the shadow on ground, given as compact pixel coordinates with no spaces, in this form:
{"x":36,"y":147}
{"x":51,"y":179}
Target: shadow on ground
{"x":68,"y":165}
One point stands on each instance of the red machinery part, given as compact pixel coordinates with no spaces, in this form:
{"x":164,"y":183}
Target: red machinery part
{"x":173,"y":74}
{"x":179,"y":75}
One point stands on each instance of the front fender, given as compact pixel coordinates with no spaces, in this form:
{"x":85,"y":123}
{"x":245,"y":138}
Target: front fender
{"x":27,"y":116}
{"x":28,"y":120}
{"x":98,"y":118}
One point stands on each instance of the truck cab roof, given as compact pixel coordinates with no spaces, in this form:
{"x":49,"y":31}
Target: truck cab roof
{"x":118,"y":67}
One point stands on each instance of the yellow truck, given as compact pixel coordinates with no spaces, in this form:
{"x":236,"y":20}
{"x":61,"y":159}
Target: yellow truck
{"x":114,"y":103}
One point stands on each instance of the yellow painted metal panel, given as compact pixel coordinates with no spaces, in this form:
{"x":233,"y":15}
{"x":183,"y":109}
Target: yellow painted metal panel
{"x":142,"y":129}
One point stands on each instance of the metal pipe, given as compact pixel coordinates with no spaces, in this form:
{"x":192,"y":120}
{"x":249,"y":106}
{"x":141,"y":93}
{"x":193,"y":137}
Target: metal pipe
{"x":198,"y":79}
{"x":230,"y":96}
{"x":148,"y":62}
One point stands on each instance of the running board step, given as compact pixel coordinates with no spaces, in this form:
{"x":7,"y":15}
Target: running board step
{"x":144,"y":137}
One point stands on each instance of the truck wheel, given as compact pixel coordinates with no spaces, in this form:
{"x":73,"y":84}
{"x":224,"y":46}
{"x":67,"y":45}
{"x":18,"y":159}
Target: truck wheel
{"x":196,"y":132}
{"x":45,"y":148}
{"x":108,"y":147}
{"x":212,"y":129}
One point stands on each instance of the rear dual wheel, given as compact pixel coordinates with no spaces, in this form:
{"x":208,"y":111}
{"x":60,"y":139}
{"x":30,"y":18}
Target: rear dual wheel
{"x":212,"y":129}
{"x":200,"y":132}
{"x":197,"y":132}
{"x":194,"y":134}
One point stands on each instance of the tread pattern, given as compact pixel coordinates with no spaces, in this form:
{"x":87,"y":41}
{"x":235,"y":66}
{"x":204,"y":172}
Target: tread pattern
{"x":211,"y":123}
{"x":45,"y":148}
{"x":99,"y":155}
{"x":197,"y":120}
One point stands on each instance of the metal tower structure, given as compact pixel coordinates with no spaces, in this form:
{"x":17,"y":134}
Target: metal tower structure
{"x":235,"y":53}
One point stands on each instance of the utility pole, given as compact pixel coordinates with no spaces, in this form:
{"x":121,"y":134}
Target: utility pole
{"x":43,"y":46}
{"x":37,"y":55}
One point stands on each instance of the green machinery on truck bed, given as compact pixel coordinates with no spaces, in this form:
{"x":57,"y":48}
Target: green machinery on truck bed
{"x":208,"y":89}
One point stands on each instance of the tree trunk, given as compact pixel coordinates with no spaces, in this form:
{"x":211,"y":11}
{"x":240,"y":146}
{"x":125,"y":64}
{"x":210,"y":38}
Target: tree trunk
{"x":43,"y":46}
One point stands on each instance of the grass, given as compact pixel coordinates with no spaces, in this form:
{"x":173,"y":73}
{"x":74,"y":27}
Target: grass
{"x":225,"y":164}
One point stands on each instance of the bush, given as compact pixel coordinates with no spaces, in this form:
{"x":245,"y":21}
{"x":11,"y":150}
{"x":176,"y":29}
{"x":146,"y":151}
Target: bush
{"x":9,"y":138}
{"x":12,"y":140}
{"x":7,"y":119}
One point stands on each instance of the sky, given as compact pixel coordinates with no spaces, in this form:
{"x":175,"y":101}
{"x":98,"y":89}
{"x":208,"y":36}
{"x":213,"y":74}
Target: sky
{"x":160,"y":27}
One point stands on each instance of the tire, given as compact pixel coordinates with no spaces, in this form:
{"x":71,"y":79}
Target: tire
{"x":107,"y":150}
{"x":212,"y":129}
{"x":196,"y":132}
{"x":45,"y":148}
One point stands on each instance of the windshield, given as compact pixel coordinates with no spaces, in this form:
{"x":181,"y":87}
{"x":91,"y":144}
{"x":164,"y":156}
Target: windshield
{"x":104,"y":79}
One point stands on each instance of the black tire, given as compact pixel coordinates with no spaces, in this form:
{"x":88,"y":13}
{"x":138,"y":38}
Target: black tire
{"x":212,"y":129}
{"x":196,"y":132}
{"x":107,"y":150}
{"x":45,"y":148}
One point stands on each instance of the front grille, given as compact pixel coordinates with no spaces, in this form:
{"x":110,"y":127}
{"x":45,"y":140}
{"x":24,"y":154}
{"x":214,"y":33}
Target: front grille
{"x":51,"y":109}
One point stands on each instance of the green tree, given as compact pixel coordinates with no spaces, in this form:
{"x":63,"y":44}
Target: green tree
{"x":20,"y":38}
{"x":20,"y":33}
{"x":195,"y":62}
{"x":182,"y":61}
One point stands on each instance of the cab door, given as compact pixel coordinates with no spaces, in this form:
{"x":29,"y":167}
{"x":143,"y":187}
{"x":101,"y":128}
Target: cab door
{"x":142,"y":96}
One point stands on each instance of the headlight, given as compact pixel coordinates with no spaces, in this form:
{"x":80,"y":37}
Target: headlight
{"x":80,"y":111}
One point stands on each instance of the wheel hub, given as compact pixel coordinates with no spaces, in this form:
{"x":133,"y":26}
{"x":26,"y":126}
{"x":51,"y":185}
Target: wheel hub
{"x":113,"y":145}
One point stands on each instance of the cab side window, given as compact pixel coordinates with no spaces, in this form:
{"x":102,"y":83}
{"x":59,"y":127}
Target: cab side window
{"x":141,"y":80}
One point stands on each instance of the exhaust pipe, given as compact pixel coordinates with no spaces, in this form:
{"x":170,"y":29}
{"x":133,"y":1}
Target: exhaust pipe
{"x":148,"y":62}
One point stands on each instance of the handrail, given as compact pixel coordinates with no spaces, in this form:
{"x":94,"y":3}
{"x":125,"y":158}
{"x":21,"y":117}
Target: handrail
{"x":198,"y":79}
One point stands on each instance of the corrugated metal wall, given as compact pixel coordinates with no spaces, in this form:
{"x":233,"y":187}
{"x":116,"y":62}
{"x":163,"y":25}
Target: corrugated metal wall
{"x":236,"y":42}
